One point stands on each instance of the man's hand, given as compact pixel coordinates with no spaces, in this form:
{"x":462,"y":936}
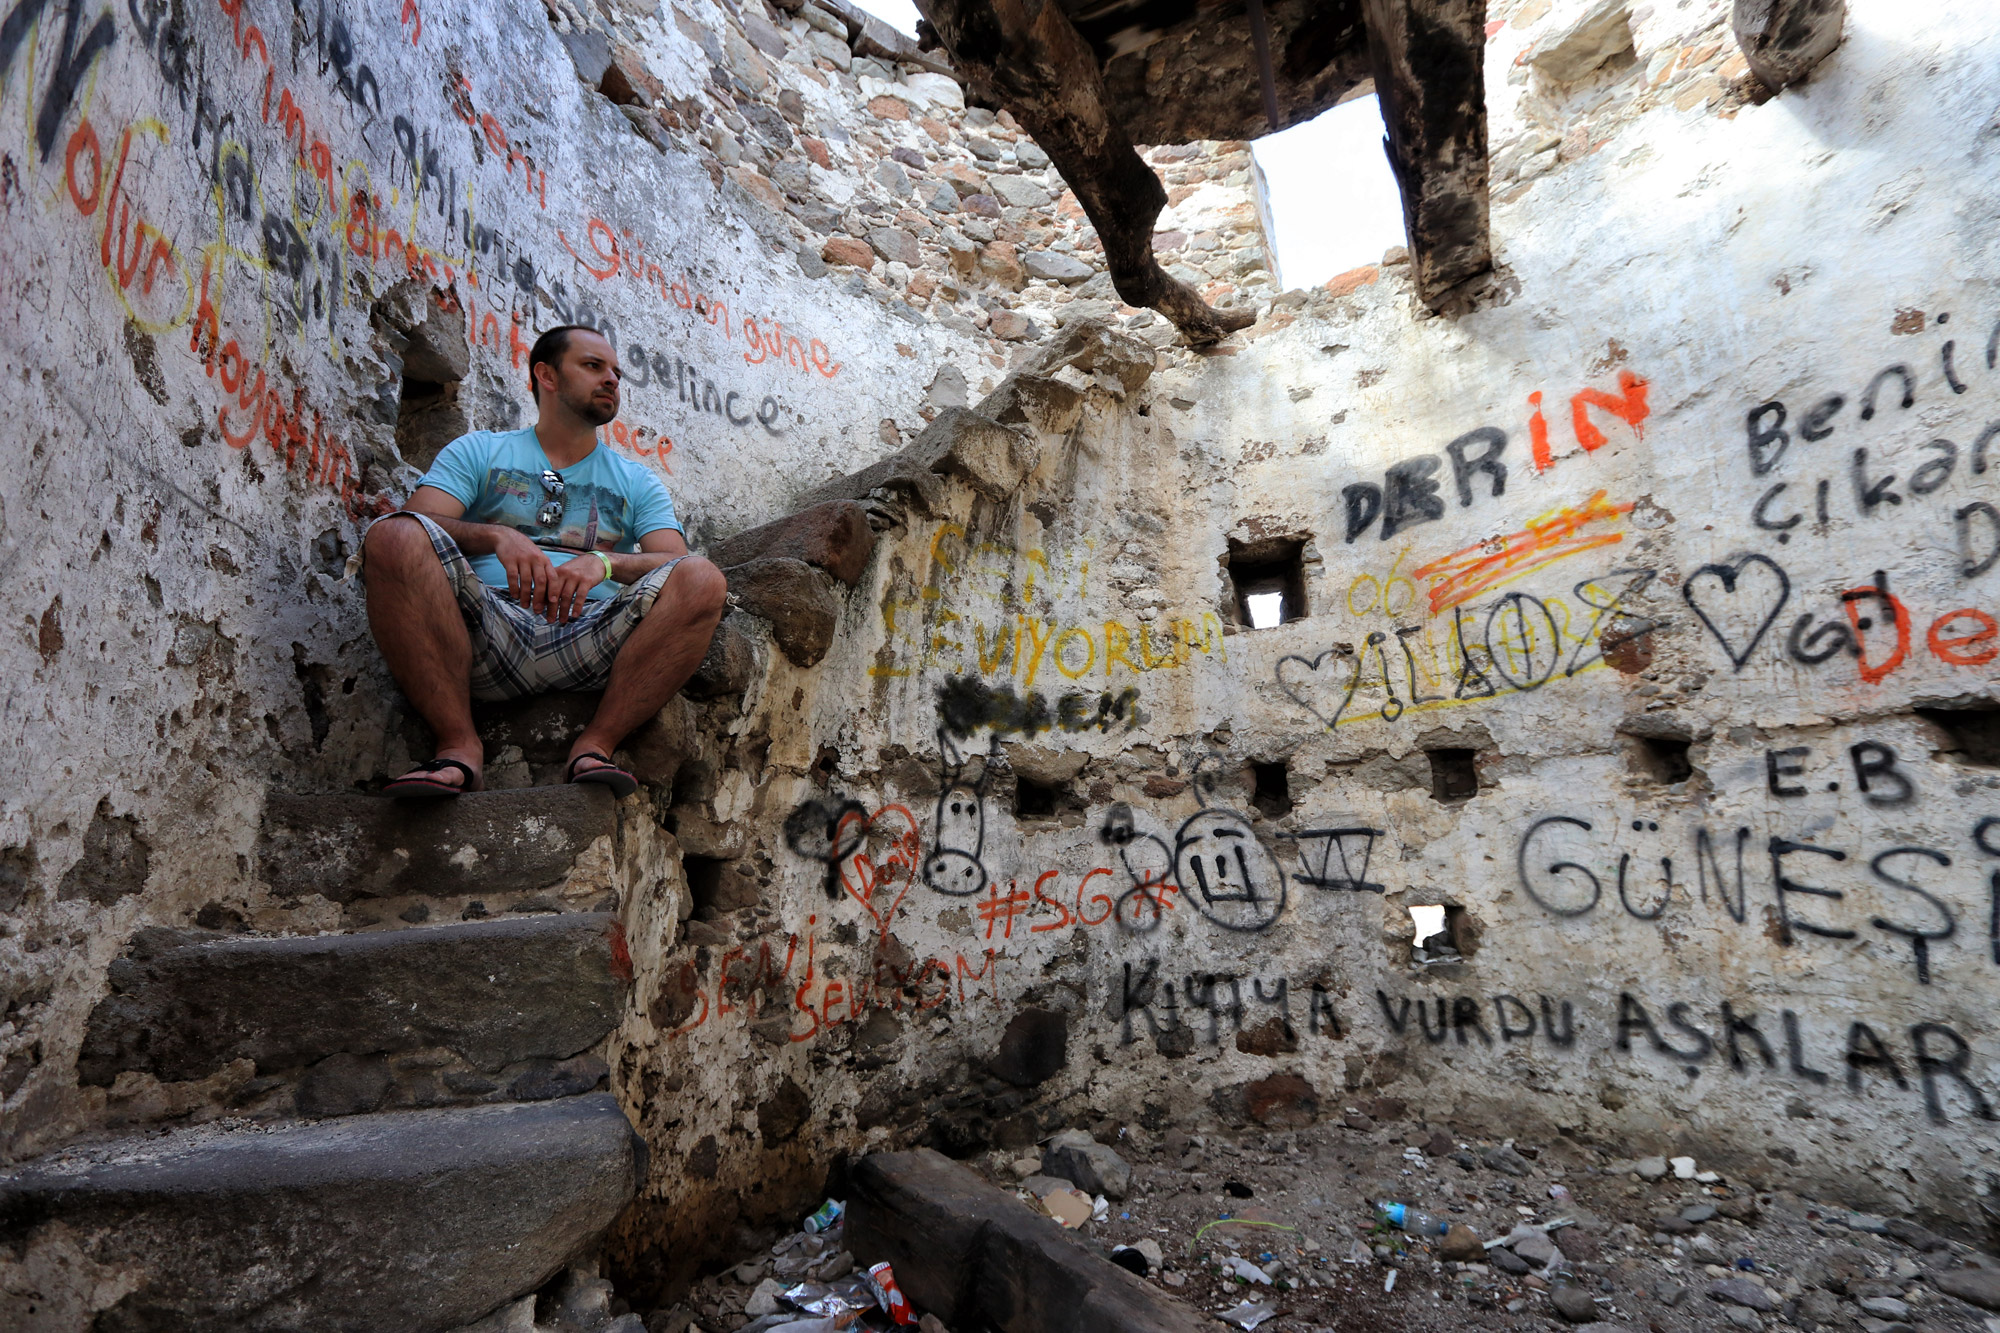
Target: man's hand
{"x":530,"y":572}
{"x":569,"y":586}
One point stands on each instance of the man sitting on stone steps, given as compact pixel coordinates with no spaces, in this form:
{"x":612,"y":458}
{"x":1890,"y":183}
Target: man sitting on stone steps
{"x":539,"y":560}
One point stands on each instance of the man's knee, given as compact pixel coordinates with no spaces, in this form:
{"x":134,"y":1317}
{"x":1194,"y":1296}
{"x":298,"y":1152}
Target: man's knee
{"x":394,"y":546}
{"x":704,"y":589}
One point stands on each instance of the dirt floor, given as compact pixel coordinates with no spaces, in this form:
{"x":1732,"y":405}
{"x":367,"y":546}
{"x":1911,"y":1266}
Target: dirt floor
{"x":1639,"y":1253}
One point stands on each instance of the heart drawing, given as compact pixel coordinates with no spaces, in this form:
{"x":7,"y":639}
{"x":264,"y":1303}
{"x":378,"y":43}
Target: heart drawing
{"x":886,"y":853}
{"x":1722,"y":591}
{"x":1313,"y":683}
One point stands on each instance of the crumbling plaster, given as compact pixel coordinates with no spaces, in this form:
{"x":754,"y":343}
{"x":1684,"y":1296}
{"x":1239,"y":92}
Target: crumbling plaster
{"x":1659,"y":291}
{"x":1678,"y":256}
{"x":209,"y":211}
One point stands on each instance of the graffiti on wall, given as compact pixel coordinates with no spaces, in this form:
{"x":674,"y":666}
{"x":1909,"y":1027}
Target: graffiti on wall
{"x":1930,"y":1059}
{"x":258,"y":206}
{"x":989,"y":609}
{"x":1787,"y":881}
{"x":1516,"y":643}
{"x":1412,"y":491}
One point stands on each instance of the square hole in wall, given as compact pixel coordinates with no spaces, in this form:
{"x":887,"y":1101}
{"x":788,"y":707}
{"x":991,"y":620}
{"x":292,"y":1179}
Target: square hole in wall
{"x":1036,"y":800}
{"x":1271,"y":789}
{"x":704,"y":881}
{"x":718,"y":887}
{"x":825,"y":765}
{"x":615,"y":86}
{"x":1428,"y":918}
{"x":1269,"y":580}
{"x":1454,"y":775}
{"x":1659,"y":758}
{"x":1973,"y":734}
{"x":1445,"y":933}
{"x":428,"y":417}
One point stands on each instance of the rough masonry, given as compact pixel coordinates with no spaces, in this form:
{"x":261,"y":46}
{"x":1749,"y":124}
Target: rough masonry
{"x":1637,"y":606}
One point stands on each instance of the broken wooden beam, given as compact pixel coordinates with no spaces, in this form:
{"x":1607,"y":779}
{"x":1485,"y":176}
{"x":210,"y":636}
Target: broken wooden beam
{"x":1785,"y":40}
{"x":1036,"y":65}
{"x":870,"y":36}
{"x":1429,"y":62}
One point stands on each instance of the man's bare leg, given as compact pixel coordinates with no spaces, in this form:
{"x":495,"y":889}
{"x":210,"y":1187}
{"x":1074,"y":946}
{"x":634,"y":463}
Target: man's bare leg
{"x":658,"y":657}
{"x":418,"y":626}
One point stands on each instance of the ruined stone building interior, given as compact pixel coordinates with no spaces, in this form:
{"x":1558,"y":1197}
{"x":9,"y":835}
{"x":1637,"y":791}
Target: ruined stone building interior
{"x":1461,"y":794}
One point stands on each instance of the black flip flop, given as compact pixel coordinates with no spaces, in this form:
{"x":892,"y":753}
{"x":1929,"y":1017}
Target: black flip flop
{"x":412,"y":786}
{"x":608,"y":774}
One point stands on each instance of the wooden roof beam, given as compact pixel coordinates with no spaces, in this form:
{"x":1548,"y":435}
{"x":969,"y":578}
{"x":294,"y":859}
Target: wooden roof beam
{"x":1026,"y":56}
{"x":1429,"y":63}
{"x":1784,"y":40}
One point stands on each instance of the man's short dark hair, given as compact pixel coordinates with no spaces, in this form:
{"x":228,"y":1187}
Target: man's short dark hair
{"x":550,"y":348}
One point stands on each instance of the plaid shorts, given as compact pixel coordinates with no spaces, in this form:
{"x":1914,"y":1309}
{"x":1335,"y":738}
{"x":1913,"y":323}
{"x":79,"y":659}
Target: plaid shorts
{"x":515,"y":652}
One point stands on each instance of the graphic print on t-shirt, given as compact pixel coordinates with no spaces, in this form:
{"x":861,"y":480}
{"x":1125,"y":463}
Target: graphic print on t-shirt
{"x":593,"y":517}
{"x":609,"y":503}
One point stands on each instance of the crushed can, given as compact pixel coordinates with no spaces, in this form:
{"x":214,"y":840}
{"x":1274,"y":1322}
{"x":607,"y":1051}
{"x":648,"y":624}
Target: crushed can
{"x":888,"y":1295}
{"x":829,"y":1213}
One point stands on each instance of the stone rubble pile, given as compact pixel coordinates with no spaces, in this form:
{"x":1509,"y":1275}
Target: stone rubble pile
{"x":1275,"y":1232}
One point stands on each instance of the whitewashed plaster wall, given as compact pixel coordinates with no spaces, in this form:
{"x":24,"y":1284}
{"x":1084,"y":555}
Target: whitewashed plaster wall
{"x":203,"y":203}
{"x":1698,"y":261}
{"x":1781,"y":961}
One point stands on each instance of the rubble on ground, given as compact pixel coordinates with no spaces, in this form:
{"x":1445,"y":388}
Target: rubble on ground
{"x":1542,"y":1236}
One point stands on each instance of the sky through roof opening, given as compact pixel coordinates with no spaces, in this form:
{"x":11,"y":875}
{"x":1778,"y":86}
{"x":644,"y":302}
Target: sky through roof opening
{"x":1333,"y":201}
{"x":898,"y":14}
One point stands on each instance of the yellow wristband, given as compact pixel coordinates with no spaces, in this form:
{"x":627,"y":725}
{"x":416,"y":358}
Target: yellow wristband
{"x":607,"y":565}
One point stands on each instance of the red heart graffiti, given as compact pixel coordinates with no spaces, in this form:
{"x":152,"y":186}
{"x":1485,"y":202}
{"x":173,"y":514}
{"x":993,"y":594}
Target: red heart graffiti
{"x":898,"y":862}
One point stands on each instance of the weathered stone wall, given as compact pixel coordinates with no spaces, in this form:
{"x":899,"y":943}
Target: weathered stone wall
{"x":262,"y":264}
{"x":1051,"y":834}
{"x":1697,"y":764}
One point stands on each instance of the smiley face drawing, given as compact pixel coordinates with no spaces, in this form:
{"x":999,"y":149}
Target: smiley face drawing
{"x":1230,"y":877}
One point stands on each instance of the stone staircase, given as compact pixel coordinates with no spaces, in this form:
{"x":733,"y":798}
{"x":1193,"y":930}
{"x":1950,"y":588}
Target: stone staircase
{"x":410,"y":1129}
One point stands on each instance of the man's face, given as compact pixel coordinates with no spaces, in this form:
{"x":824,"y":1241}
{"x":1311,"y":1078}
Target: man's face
{"x":586,"y":379}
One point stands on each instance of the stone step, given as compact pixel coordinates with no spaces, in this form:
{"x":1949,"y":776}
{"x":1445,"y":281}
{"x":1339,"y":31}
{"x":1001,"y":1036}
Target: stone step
{"x":834,"y":536}
{"x":494,"y":993}
{"x":417,"y":1220}
{"x":345,"y":846}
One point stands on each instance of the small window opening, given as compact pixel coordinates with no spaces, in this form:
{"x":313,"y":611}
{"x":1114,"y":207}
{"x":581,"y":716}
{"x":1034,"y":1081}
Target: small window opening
{"x":704,"y":881}
{"x":1445,"y":933}
{"x":1271,"y":789}
{"x":1269,"y":579}
{"x":615,"y":86}
{"x":1429,"y":921}
{"x":434,"y":358}
{"x":825,"y":765}
{"x":1454,"y":776}
{"x":428,"y":418}
{"x":1661,"y":759}
{"x":1973,"y":733}
{"x":1035,"y":800}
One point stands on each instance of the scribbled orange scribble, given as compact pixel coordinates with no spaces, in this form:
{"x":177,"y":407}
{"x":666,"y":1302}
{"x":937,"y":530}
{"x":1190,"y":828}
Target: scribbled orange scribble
{"x":1557,"y":535}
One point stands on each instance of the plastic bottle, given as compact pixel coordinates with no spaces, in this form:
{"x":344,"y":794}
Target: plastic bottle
{"x":1413,"y":1220}
{"x":827,"y":1217}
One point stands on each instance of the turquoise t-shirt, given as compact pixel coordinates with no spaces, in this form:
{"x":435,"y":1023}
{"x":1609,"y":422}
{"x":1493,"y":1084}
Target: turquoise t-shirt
{"x":609,"y":502}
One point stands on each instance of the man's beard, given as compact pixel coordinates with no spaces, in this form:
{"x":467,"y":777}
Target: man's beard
{"x":590,"y":409}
